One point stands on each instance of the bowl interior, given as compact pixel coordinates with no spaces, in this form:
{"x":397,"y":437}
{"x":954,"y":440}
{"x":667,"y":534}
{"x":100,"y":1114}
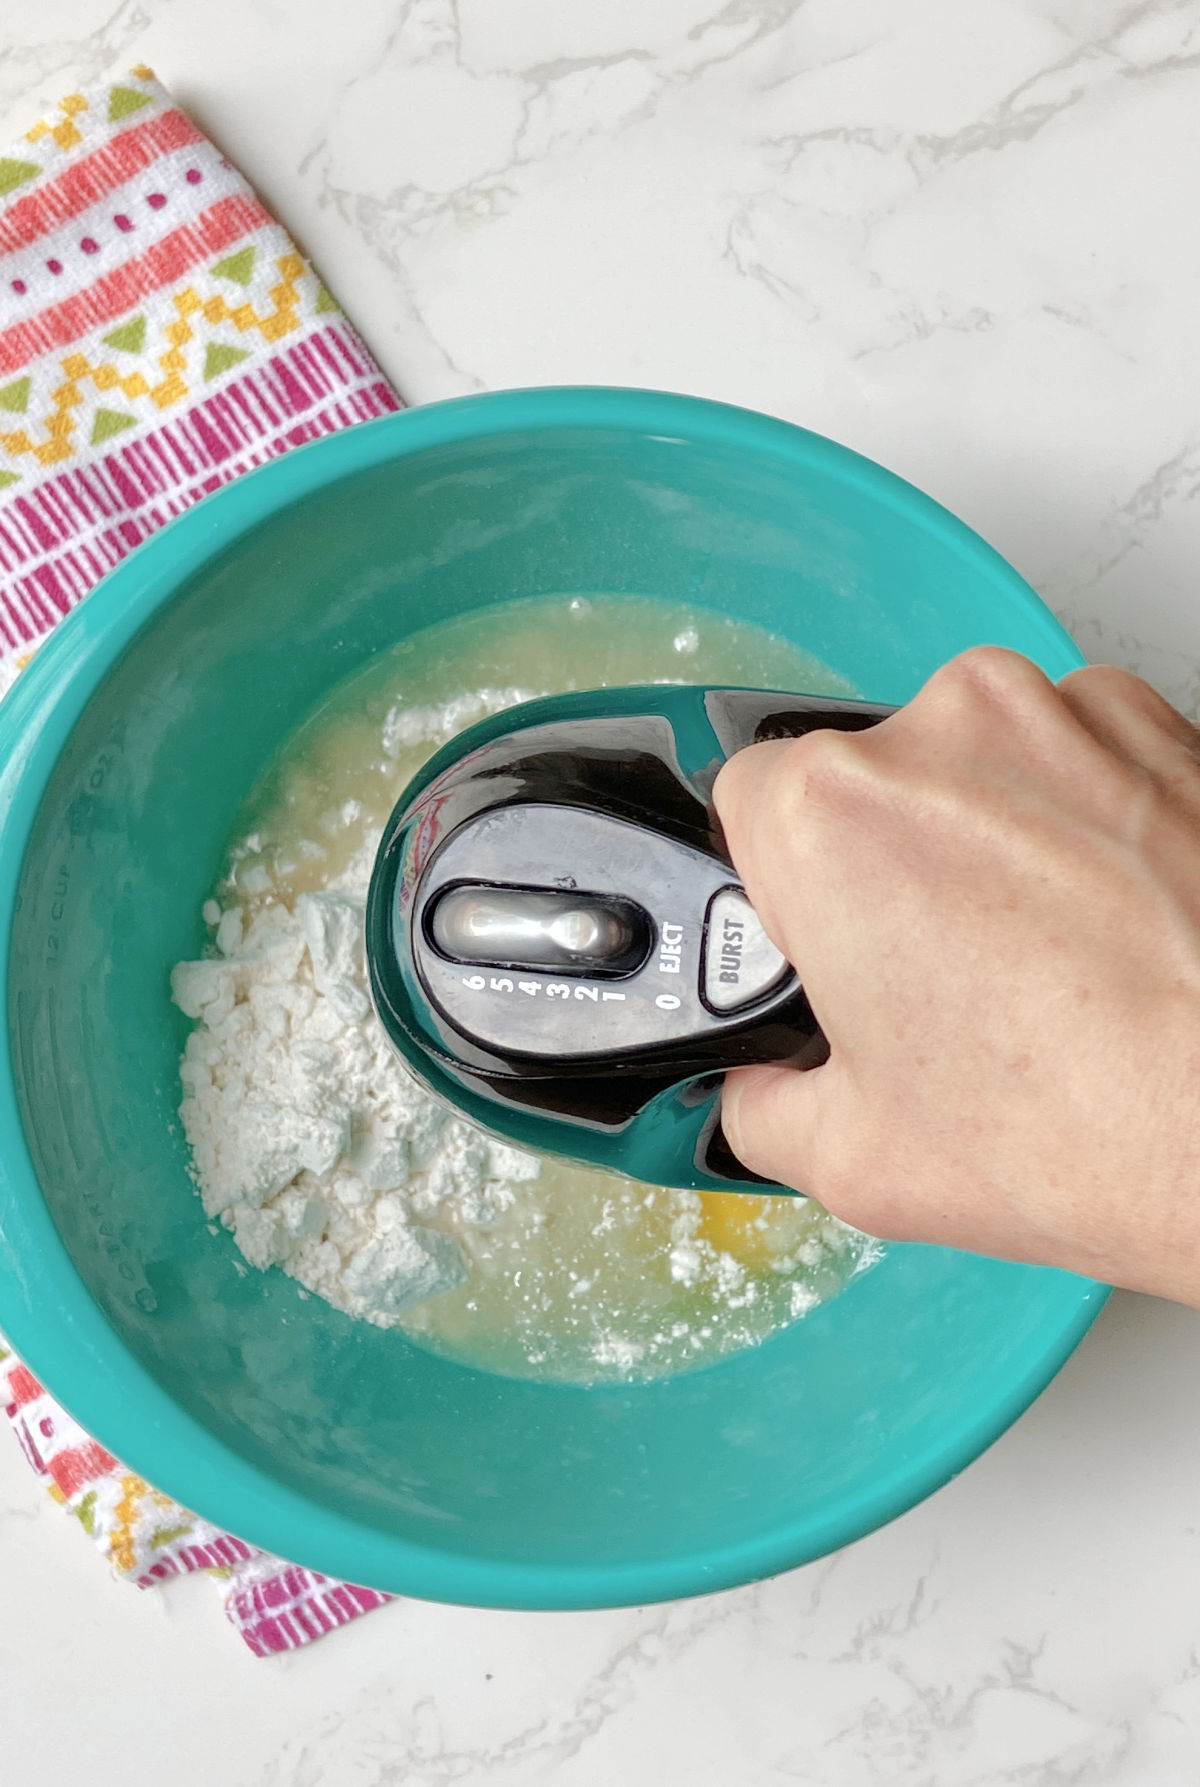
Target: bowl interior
{"x":451,"y":1482}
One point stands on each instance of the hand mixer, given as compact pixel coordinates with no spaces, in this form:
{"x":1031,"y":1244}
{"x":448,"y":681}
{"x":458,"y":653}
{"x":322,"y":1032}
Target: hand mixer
{"x":558,"y":941}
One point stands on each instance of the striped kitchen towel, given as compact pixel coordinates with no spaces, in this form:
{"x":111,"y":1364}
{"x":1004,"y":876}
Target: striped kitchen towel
{"x":147,"y":1537}
{"x":159,"y":334}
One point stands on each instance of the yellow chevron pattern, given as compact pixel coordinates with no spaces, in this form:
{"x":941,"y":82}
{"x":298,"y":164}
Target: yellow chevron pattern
{"x":76,"y":418}
{"x":65,"y":131}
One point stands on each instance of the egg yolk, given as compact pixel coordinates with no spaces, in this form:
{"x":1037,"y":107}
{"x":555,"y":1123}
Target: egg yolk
{"x":754,"y":1230}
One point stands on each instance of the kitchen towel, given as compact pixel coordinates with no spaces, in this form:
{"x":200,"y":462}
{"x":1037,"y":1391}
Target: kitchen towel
{"x":159,"y":334}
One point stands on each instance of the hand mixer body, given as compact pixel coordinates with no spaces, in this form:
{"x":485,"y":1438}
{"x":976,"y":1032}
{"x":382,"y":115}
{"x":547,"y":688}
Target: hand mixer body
{"x":557,"y":939}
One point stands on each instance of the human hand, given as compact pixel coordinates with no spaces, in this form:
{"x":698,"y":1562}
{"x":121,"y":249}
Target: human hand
{"x":993,"y":901}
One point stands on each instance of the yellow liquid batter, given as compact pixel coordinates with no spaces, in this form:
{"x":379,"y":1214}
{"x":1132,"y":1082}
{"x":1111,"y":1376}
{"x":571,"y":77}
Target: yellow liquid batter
{"x":586,"y":1276}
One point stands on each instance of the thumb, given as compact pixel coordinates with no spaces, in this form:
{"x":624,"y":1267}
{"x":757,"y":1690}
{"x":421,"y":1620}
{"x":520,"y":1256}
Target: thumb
{"x":769,"y":1115}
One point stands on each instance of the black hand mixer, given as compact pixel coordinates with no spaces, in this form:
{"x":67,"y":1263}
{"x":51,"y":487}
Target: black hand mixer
{"x":558,"y":941}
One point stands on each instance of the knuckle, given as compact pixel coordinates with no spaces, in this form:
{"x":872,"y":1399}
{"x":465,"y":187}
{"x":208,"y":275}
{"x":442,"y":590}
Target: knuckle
{"x":756,"y":791}
{"x":748,"y":779}
{"x":826,"y":762}
{"x":1102,"y":686}
{"x":730,"y":779}
{"x":990,"y":675}
{"x":1100,"y":677}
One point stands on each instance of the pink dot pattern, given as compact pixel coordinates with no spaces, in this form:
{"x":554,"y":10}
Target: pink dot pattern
{"x":121,"y":221}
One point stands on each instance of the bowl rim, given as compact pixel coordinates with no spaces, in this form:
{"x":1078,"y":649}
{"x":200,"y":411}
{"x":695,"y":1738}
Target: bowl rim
{"x":79,"y":1357}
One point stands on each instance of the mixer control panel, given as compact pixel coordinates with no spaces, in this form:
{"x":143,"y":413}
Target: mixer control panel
{"x":554,"y":932}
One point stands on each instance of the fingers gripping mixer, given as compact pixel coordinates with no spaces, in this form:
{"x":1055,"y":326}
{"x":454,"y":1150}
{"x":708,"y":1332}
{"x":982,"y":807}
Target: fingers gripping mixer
{"x":558,"y":941}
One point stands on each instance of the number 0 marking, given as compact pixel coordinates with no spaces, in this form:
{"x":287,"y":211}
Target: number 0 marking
{"x":667,"y":1002}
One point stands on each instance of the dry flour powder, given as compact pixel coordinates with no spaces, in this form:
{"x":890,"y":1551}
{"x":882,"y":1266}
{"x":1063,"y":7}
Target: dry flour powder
{"x":310,"y":1140}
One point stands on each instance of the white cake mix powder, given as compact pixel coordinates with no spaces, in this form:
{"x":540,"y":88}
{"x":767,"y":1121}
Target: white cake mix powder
{"x":310,"y":1140}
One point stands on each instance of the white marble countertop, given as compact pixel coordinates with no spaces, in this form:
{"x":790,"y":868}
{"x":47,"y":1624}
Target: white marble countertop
{"x":960,"y":235}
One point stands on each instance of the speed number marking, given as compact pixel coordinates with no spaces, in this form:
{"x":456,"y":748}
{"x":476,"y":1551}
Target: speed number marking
{"x":554,"y":989}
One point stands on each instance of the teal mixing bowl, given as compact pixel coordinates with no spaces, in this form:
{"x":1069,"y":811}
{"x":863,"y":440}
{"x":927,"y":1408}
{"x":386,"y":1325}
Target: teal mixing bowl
{"x":125,"y":751}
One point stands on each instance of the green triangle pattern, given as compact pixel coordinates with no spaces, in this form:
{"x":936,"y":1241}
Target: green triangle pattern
{"x":15,"y":173}
{"x":123,"y":100}
{"x":110,"y":422}
{"x":15,"y":396}
{"x":326,"y":301}
{"x":237,"y":267}
{"x":219,"y":358}
{"x":7,"y":478}
{"x":130,"y":337}
{"x":163,"y":1535}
